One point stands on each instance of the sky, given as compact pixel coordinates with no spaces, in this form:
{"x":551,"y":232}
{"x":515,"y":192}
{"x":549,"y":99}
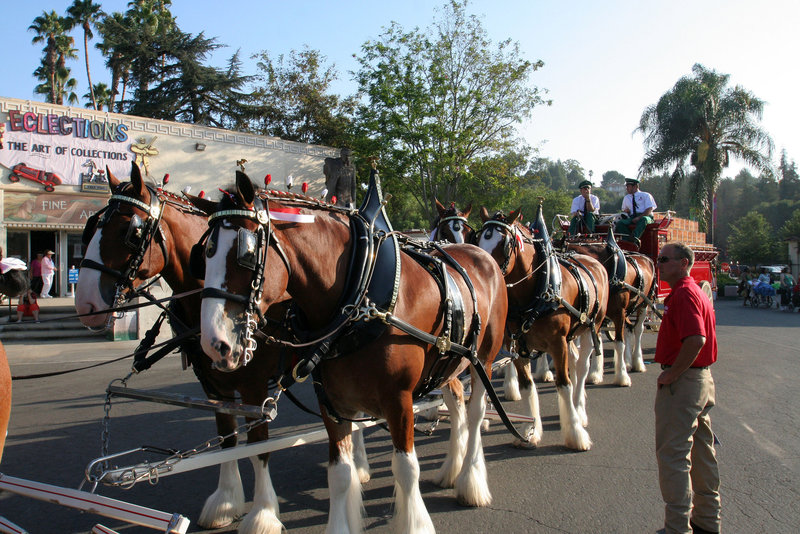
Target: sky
{"x":604,"y":62}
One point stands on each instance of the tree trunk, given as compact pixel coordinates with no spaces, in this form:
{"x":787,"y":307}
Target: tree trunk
{"x":86,"y":54}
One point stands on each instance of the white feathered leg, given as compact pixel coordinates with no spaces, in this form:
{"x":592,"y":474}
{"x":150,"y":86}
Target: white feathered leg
{"x":346,"y":510}
{"x":575,"y":436}
{"x":227,"y":503}
{"x":530,"y":407}
{"x":543,"y":371}
{"x":410,"y":514}
{"x":360,"y":456}
{"x":446,"y":476}
{"x":472,"y":487}
{"x":635,"y":355}
{"x":263,"y":516}
{"x":597,"y":364}
{"x":579,"y":382}
{"x":621,"y":377}
{"x":511,"y":383}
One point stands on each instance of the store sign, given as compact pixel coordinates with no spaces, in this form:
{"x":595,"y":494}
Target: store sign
{"x":68,"y":147}
{"x":49,"y":208}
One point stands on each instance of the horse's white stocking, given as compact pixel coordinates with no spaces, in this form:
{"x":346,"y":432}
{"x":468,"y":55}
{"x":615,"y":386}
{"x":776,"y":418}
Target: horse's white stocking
{"x":472,"y":486}
{"x":543,"y":371}
{"x":360,"y":456}
{"x":532,"y":431}
{"x":346,"y":511}
{"x":575,"y":436}
{"x":227,"y":503}
{"x":581,"y":366}
{"x":263,"y":516}
{"x":447,"y":474}
{"x":596,"y":371}
{"x":621,"y":377}
{"x":410,"y":514}
{"x":511,"y":383}
{"x":635,"y":346}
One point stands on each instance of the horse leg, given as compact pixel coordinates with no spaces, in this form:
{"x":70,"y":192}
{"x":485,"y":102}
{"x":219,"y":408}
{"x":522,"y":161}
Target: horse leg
{"x":410,"y":512}
{"x":621,"y":377}
{"x":596,"y":365}
{"x":511,"y":383}
{"x":346,"y":509}
{"x":227,"y":503}
{"x":531,"y":431}
{"x":263,"y":517}
{"x":637,"y":360}
{"x":543,"y":371}
{"x":472,"y":486}
{"x":360,"y":456}
{"x":575,"y":436}
{"x":453,"y":394}
{"x":581,"y":364}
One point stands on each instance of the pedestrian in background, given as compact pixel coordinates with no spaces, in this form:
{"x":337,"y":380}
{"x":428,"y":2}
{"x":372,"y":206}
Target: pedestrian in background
{"x":48,"y":270}
{"x":36,"y":273}
{"x":686,"y":348}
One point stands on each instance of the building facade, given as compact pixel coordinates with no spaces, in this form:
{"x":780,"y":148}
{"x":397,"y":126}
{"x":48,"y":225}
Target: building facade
{"x":53,"y":162}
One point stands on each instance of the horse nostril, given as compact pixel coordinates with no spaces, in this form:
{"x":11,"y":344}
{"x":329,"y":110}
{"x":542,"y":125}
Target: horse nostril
{"x":223,"y":348}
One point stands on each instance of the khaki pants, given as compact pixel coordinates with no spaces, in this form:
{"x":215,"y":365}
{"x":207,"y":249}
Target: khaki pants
{"x":687,"y":465}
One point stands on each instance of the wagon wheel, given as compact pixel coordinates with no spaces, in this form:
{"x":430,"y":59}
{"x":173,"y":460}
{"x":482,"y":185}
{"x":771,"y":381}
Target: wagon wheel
{"x":13,"y":177}
{"x":706,"y":287}
{"x":49,"y":188}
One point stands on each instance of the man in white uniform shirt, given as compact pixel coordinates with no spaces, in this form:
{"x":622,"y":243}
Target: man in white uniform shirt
{"x":584,"y":211}
{"x":48,"y":270}
{"x":637,"y":208}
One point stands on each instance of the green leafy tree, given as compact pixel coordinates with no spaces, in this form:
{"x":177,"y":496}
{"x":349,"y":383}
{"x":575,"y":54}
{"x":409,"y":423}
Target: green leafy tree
{"x":295,"y":100}
{"x":115,"y":29}
{"x":102,"y":97}
{"x":703,"y":122}
{"x":612,"y":178}
{"x":789,"y":185}
{"x":438,"y":102}
{"x":86,"y":14}
{"x":752,"y":240}
{"x":791,"y":229}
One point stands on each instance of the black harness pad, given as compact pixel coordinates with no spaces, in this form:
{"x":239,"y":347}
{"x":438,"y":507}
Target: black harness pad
{"x":547,"y":286}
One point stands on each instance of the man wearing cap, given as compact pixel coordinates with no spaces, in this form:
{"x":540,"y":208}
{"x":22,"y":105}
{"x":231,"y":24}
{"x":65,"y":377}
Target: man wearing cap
{"x":48,"y":270}
{"x":584,"y":211}
{"x":637,"y":208}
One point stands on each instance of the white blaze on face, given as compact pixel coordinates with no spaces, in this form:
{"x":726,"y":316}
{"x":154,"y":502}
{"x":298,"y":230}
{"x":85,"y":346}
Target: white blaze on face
{"x":87,"y":294}
{"x":494,"y":240}
{"x":455,"y":228}
{"x":216,"y":329}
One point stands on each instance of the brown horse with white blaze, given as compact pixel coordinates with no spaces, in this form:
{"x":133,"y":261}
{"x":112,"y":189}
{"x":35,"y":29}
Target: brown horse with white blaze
{"x":309,"y":256}
{"x":160,"y":228}
{"x":551,"y":301}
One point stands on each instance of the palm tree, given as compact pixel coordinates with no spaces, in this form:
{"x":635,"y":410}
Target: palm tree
{"x":48,"y":26}
{"x":102,"y":95}
{"x":704,"y":122}
{"x":86,"y":13}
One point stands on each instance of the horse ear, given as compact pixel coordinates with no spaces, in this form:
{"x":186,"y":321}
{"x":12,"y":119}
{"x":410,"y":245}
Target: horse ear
{"x":514,"y":215}
{"x":136,"y":180}
{"x":484,"y":214}
{"x":208,"y":206}
{"x":441,"y":209}
{"x":113,"y":181}
{"x":467,"y":211}
{"x":245,"y":188}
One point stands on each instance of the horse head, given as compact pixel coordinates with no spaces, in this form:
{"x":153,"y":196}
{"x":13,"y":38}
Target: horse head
{"x":452,"y":225}
{"x":119,"y":256}
{"x":502,"y":236}
{"x":239,"y":288}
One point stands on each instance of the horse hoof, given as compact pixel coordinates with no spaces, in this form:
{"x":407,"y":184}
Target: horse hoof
{"x":524,"y":445}
{"x":485,"y":425}
{"x":595,"y":378}
{"x":623,"y":382}
{"x":363,"y":475}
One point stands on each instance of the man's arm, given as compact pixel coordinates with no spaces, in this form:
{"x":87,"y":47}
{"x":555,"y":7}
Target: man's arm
{"x":690,"y":348}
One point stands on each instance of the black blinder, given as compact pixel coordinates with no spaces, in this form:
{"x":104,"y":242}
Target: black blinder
{"x":247,"y":253}
{"x":197,"y":261}
{"x":133,"y":237}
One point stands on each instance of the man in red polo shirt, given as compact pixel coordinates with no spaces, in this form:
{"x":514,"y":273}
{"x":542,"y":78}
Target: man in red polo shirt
{"x":686,"y":348}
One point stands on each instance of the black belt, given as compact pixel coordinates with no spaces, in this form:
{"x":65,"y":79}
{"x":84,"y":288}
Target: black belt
{"x":665,"y":366}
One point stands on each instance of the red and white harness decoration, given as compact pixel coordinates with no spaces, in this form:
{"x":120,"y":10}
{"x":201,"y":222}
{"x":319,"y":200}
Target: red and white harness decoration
{"x":290,"y":215}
